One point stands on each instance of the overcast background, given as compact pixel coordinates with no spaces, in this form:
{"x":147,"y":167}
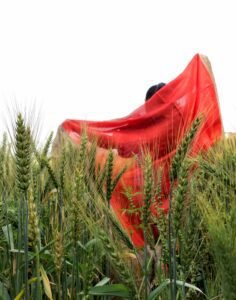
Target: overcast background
{"x":96,"y":59}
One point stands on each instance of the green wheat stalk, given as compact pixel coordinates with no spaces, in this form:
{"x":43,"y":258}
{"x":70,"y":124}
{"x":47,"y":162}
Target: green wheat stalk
{"x":23,"y":162}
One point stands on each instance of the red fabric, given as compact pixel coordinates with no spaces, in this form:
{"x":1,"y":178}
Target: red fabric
{"x":158,"y":125}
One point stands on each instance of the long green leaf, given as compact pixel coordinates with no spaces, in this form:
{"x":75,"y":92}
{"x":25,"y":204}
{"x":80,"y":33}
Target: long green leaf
{"x":7,"y":230}
{"x":188,"y":285}
{"x":160,"y":288}
{"x":90,"y":243}
{"x":4,"y":293}
{"x":104,"y":281}
{"x":118,"y":290}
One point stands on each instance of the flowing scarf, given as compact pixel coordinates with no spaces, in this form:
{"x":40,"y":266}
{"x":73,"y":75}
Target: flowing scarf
{"x":157,"y":127}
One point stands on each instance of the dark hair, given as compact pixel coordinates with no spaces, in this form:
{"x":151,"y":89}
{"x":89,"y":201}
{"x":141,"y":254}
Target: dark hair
{"x":153,"y":89}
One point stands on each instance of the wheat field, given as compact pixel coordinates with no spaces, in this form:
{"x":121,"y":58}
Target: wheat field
{"x":60,"y":239}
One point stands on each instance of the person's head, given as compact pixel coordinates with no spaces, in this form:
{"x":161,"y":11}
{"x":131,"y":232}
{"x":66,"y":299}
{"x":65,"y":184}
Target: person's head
{"x":153,"y":89}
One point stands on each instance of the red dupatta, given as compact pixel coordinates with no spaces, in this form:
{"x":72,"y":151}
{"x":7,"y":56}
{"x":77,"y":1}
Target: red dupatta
{"x":157,"y":126}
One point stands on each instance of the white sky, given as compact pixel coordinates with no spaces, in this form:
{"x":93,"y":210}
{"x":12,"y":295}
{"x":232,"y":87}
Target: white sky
{"x":96,"y":59}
